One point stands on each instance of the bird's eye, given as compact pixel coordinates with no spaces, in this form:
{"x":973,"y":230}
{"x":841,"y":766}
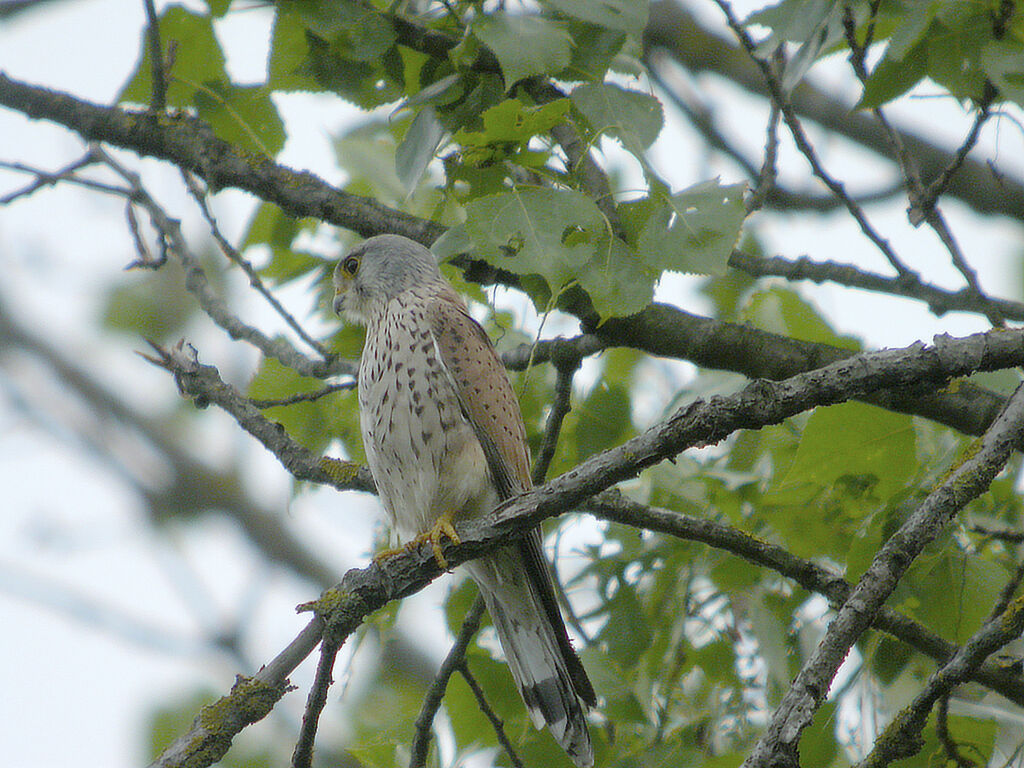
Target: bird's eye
{"x":351,"y":265}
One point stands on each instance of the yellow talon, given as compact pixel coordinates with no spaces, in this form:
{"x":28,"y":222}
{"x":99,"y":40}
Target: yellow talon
{"x":442,"y":529}
{"x":385,"y":554}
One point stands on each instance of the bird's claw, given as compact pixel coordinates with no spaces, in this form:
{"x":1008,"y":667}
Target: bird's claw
{"x":443,"y":529}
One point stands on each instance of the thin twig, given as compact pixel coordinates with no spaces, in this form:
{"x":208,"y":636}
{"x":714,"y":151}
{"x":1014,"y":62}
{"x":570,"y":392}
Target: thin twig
{"x":158,"y":99}
{"x":204,"y":384}
{"x":938,"y":187}
{"x":435,"y":694}
{"x":902,"y":737}
{"x":922,"y":201}
{"x":942,"y":734}
{"x":1007,"y":593}
{"x":302,"y":756}
{"x":939,"y":300}
{"x":613,"y":506}
{"x":303,"y":397}
{"x":806,"y":148}
{"x":560,"y":407}
{"x":214,"y":306}
{"x":44,"y":178}
{"x":767,"y":176}
{"x":199,"y":195}
{"x":1011,"y":536}
{"x":485,"y":707}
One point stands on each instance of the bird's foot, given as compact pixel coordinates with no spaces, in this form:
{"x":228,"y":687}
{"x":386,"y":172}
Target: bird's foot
{"x":443,"y":529}
{"x":387,"y":554}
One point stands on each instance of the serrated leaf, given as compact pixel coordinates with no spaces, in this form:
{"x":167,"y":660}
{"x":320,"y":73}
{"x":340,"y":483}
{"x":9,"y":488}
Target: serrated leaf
{"x":632,"y":117}
{"x":695,"y":230}
{"x":624,"y":15}
{"x":618,"y":282}
{"x":546,"y":232}
{"x":303,"y":58}
{"x":353,"y":30}
{"x":524,"y":44}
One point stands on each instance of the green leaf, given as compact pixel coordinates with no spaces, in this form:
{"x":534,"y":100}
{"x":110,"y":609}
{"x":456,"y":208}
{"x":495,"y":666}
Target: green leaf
{"x":1003,"y":62}
{"x":891,"y":78}
{"x":594,"y":51}
{"x":547,"y":232}
{"x":618,"y":282}
{"x":853,"y":440}
{"x":313,"y":424}
{"x":242,"y":115}
{"x":695,"y":230}
{"x":417,"y":148}
{"x":782,"y":310}
{"x":605,"y":416}
{"x":624,"y":15}
{"x":271,"y":226}
{"x":954,"y":46}
{"x":632,"y":117}
{"x":150,"y":304}
{"x":199,"y":59}
{"x":818,"y":741}
{"x":513,"y":121}
{"x":315,"y":49}
{"x":524,"y":44}
{"x":355,"y":32}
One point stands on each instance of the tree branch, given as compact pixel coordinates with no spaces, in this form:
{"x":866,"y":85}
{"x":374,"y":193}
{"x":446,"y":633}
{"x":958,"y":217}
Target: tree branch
{"x":778,"y":745}
{"x":902,"y":737}
{"x":455,"y":659}
{"x":700,"y":423}
{"x":612,"y":506}
{"x":190,"y":144}
{"x":939,"y":300}
{"x":673,"y":29}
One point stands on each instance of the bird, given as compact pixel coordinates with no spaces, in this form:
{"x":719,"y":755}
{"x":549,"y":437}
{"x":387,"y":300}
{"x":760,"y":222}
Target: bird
{"x":445,"y":441}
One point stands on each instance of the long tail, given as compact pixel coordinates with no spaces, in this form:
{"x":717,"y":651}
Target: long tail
{"x":517,"y":588}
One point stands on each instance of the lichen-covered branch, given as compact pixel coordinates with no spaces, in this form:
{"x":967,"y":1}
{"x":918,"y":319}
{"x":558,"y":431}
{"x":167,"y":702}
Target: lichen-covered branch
{"x":612,"y":506}
{"x":778,"y":745}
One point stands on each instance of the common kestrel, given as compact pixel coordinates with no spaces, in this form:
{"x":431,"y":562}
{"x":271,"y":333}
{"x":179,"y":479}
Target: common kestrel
{"x":445,"y":441}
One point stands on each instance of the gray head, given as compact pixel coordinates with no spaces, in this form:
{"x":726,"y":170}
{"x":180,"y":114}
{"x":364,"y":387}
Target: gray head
{"x":377,"y":270}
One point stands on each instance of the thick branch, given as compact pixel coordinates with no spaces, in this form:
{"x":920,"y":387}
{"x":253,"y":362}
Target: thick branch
{"x":701,"y":423}
{"x":190,"y":144}
{"x":610,"y":505}
{"x":778,"y":745}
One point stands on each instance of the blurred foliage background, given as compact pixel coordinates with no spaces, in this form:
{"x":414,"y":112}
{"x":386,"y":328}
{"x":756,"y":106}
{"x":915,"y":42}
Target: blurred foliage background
{"x":591,"y":158}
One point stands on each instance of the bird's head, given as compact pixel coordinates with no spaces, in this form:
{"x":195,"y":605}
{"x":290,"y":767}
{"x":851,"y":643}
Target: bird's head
{"x":377,"y":270}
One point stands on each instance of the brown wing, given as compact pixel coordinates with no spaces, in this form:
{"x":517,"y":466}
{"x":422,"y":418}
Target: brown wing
{"x":484,"y":392}
{"x":490,"y":406}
